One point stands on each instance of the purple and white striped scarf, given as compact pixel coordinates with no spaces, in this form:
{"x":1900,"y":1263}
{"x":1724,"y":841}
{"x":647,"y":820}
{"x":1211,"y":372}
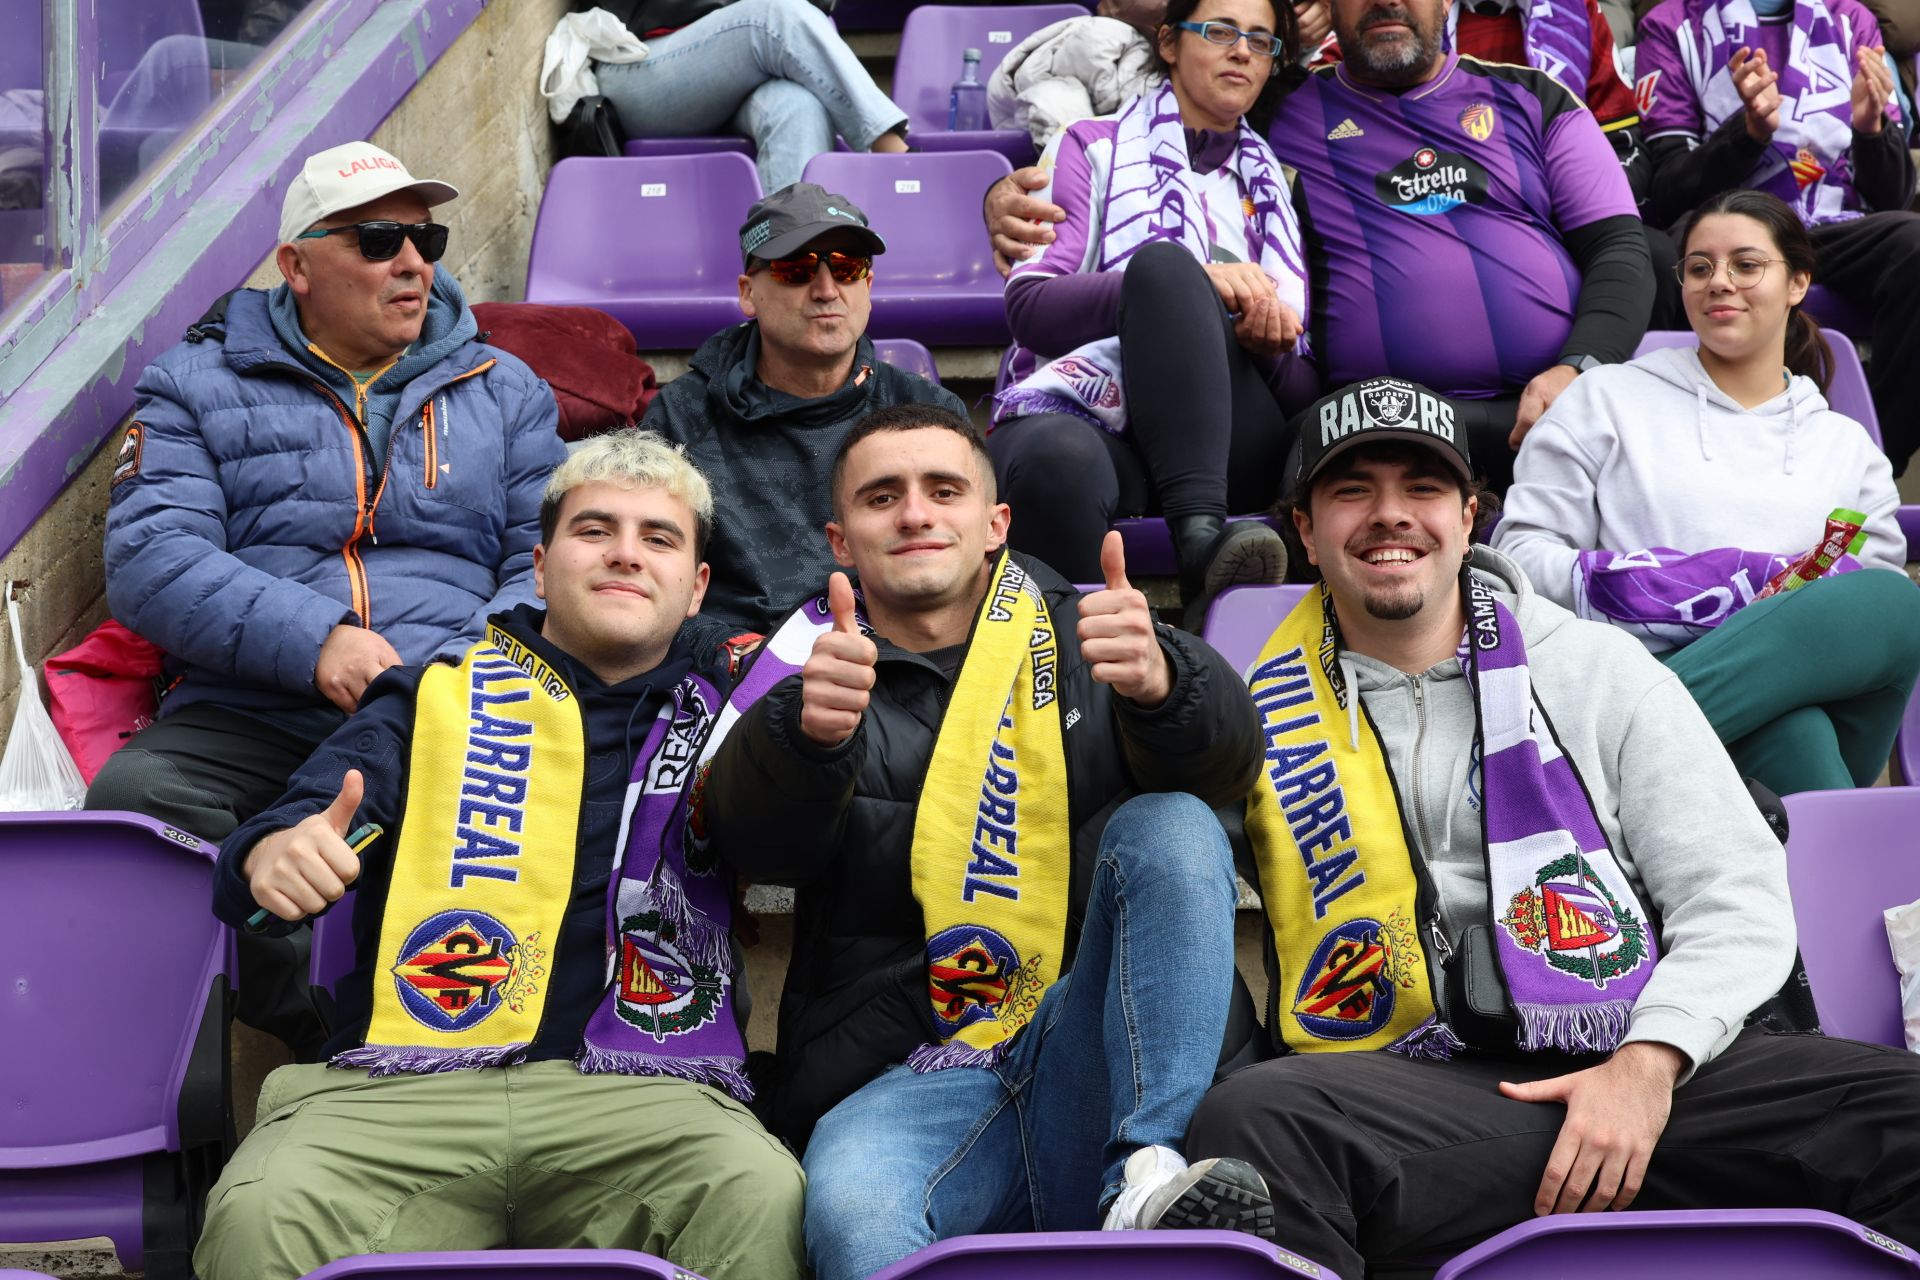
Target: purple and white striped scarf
{"x":1151,"y":197}
{"x":1669,"y":599}
{"x":1808,"y":159}
{"x":1558,"y":36}
{"x":1572,"y":937}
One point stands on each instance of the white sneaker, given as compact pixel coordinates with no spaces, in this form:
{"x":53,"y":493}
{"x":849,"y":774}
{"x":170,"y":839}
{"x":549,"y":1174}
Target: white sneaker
{"x":1148,"y":1170}
{"x":1163,"y":1191}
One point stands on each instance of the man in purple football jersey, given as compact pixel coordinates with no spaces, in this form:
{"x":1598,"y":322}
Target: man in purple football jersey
{"x":1467,"y":224}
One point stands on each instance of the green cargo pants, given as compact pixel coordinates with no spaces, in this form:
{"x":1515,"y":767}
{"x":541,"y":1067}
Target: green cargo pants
{"x":534,"y":1157}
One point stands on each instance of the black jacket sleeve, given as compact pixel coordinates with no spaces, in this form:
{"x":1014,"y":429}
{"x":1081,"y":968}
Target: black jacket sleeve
{"x":374,"y":740}
{"x":1686,"y":176}
{"x":1204,"y":739}
{"x":1883,"y":168}
{"x":1616,"y":289}
{"x":1637,"y":163}
{"x":776,"y":803}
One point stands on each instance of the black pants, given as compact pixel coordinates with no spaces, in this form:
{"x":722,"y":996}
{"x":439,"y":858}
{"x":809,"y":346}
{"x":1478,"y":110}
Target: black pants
{"x":1873,"y":262}
{"x":1373,"y":1157}
{"x":207,"y":769}
{"x":1205,"y":433}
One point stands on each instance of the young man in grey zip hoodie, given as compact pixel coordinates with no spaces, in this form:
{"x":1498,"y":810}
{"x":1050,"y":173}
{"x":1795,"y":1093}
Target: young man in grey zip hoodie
{"x":1374,"y":1157}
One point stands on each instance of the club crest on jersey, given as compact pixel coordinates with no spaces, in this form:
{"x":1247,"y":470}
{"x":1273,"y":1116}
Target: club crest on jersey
{"x":1432,"y":182}
{"x":1646,"y":91}
{"x":973,"y":975}
{"x":458,"y":966}
{"x":1477,"y":120}
{"x":1347,"y":990}
{"x":660,"y":991}
{"x":1570,"y":919}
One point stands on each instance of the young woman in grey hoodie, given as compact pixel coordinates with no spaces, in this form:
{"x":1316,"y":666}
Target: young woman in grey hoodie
{"x":1663,"y":494}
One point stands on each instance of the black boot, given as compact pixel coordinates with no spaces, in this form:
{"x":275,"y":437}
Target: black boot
{"x":1214,"y":555}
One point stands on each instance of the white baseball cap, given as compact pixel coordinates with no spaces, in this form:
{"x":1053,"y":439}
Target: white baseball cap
{"x":346,"y":177}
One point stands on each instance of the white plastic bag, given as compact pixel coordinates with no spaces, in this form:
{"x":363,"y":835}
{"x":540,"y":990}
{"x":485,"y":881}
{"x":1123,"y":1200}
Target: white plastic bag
{"x":578,"y":41}
{"x":1903,"y":932}
{"x":36,"y":773}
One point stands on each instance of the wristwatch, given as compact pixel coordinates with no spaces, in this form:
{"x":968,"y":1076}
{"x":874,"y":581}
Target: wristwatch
{"x":1581,"y":364}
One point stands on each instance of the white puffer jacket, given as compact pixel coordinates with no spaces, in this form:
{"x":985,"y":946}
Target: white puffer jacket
{"x":1076,"y":69}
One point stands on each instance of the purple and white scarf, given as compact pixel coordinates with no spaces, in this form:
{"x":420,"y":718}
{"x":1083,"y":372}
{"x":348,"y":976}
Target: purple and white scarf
{"x":1558,"y":36}
{"x":1669,"y":599}
{"x":1151,"y":197}
{"x":1807,"y":162}
{"x":1572,"y":937}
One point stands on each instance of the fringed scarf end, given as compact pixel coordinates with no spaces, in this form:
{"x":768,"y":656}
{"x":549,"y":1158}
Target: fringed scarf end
{"x":1578,"y":1028}
{"x":939,"y":1057}
{"x":394,"y":1060}
{"x":1432,"y":1040}
{"x":694,"y":935}
{"x":729,"y":1075}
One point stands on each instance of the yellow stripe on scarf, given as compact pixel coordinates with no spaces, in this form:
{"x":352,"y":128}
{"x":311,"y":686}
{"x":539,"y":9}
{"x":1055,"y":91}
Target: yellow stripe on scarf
{"x":485,"y":863}
{"x":1336,"y":869}
{"x":991,"y":851}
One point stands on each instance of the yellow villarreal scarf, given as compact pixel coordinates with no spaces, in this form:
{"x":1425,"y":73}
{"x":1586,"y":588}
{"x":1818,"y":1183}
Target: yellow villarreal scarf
{"x":1336,"y":867}
{"x":991,"y":851}
{"x":485,"y":864}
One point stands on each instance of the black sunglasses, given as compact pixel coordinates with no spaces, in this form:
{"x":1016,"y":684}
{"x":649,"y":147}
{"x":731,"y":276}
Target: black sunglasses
{"x":381,"y":241}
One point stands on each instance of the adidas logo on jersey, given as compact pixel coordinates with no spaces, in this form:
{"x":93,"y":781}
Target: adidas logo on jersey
{"x":1346,"y":129}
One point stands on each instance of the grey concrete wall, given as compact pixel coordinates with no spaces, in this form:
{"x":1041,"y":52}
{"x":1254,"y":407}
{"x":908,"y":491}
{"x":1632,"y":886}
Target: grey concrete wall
{"x":476,"y":120}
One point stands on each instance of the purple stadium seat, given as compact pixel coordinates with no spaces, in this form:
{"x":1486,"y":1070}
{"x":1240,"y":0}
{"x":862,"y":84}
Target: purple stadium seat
{"x":1150,"y":545}
{"x":1104,"y":1255}
{"x":505,"y":1264}
{"x":1835,"y":312}
{"x":652,"y":242}
{"x":646,"y":148}
{"x":1240,"y":620}
{"x":1849,"y":858}
{"x":1909,"y":518}
{"x":14,"y":1273}
{"x":905,"y":353}
{"x":1848,"y":395}
{"x":929,"y":63}
{"x":113,"y":1079}
{"x":1906,"y":746}
{"x":936,"y":283}
{"x":332,"y":955}
{"x":1755,"y":1244}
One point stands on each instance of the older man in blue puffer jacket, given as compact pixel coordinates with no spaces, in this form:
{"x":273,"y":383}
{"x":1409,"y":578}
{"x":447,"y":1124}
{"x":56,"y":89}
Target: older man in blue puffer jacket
{"x":323,"y":481}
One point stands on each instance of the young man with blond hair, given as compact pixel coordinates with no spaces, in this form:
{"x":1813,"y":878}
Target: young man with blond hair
{"x":516,"y":825}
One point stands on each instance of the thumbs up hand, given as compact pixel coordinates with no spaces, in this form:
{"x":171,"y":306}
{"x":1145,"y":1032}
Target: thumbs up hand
{"x":297,"y":872}
{"x":837,"y":681}
{"x":1116,"y":634}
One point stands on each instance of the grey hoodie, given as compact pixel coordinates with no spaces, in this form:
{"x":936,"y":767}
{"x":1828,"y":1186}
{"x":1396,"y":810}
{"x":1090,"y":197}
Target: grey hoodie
{"x":1675,"y":813}
{"x":1653,"y":454}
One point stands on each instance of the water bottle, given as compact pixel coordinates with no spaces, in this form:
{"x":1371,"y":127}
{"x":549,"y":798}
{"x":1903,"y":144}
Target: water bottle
{"x":967,"y":108}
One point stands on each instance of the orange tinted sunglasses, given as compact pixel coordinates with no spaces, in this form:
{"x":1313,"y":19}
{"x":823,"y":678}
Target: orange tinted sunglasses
{"x":846,"y":268}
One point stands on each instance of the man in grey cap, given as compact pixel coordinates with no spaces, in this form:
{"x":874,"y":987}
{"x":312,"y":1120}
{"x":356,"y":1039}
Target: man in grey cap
{"x":764,"y":405}
{"x":324,"y":480}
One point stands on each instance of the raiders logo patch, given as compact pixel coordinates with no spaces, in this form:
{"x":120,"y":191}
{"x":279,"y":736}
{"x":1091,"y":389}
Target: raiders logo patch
{"x":127,"y":464}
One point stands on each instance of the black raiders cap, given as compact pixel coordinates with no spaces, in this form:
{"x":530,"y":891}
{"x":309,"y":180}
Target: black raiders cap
{"x":1374,"y":410}
{"x":794,"y":216}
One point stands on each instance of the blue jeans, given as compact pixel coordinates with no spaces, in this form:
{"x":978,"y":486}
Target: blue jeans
{"x":775,"y":71}
{"x":1120,"y":1053}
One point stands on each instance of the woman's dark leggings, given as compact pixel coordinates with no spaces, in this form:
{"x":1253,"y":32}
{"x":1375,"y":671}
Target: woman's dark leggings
{"x":1205,"y":434}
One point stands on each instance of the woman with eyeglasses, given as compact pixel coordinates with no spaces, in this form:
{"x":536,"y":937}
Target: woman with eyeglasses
{"x":1664,"y":495}
{"x":1160,"y":338}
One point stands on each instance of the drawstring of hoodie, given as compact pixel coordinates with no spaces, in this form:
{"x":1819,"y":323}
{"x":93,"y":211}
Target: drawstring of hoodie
{"x":1700,"y":419}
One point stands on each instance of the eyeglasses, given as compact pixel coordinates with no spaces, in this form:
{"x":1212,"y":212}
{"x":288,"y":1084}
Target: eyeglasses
{"x":1697,"y":270}
{"x":381,"y":241}
{"x":1263,"y":43}
{"x":846,"y":268}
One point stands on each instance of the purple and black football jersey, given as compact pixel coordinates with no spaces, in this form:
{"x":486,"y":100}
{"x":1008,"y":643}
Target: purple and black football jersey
{"x":1434,"y":221}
